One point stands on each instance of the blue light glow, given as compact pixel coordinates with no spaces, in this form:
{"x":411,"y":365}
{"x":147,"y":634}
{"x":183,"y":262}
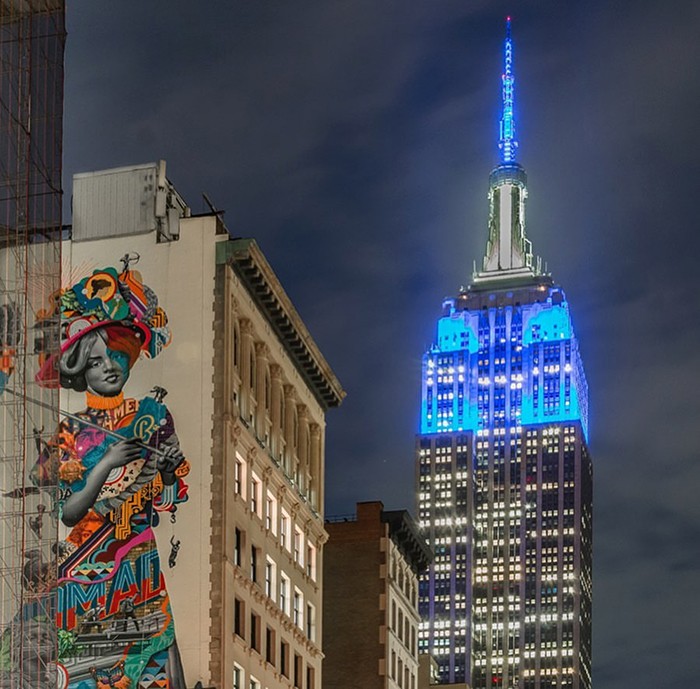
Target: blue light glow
{"x":547,"y":324}
{"x":504,"y":366}
{"x":508,"y":143}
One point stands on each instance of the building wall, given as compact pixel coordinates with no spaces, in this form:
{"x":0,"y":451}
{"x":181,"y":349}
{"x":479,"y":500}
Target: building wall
{"x":182,"y":275}
{"x":242,"y":557}
{"x":272,"y":431}
{"x":370,"y":606}
{"x":355,"y":603}
{"x":402,"y":619}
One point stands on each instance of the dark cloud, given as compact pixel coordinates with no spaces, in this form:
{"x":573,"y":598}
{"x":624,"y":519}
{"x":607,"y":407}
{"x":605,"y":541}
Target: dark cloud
{"x":354,"y":141}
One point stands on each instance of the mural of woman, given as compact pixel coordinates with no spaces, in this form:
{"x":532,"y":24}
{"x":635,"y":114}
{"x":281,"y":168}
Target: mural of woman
{"x":119,"y":469}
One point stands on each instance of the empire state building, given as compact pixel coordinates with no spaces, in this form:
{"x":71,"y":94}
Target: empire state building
{"x":503,"y":471}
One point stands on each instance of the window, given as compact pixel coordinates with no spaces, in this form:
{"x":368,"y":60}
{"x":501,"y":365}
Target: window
{"x":238,"y":677}
{"x":271,"y":513}
{"x":284,"y":593}
{"x":254,"y":555}
{"x":310,"y":677}
{"x":311,"y":561}
{"x":298,"y":546}
{"x":270,"y":576}
{"x":284,"y":530}
{"x":298,"y":665}
{"x":310,"y":622}
{"x":239,"y":617}
{"x":254,"y":684}
{"x":238,"y":548}
{"x":298,"y":602}
{"x":284,"y":658}
{"x":239,"y":477}
{"x":270,"y":645}
{"x":255,"y":632}
{"x":236,"y":356}
{"x":255,"y":487}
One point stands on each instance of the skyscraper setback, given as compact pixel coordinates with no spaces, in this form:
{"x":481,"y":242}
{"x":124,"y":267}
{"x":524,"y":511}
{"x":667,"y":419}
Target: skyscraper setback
{"x":504,"y":476}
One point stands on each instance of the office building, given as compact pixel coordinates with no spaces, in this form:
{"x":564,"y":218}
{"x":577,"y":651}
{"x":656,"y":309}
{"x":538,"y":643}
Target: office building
{"x":504,"y":476}
{"x":370,"y":584}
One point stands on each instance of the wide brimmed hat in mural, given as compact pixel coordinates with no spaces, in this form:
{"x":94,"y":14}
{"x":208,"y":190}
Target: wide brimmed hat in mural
{"x":103,"y":299}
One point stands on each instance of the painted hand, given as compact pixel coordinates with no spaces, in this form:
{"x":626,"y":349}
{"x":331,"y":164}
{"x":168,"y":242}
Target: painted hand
{"x":121,"y":453}
{"x":170,"y":460}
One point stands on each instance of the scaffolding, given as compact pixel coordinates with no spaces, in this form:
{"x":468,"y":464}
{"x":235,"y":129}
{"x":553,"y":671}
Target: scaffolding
{"x":32,"y":38}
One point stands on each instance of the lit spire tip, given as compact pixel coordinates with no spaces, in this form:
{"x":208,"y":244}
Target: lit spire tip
{"x":508,"y":143}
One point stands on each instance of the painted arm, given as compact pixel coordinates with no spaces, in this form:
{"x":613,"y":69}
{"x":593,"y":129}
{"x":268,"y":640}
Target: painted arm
{"x":77,"y":504}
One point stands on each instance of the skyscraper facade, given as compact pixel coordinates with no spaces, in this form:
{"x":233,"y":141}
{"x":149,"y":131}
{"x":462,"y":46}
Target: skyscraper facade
{"x":504,"y":476}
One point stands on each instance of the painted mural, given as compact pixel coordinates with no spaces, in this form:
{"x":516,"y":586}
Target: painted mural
{"x":117,"y":471}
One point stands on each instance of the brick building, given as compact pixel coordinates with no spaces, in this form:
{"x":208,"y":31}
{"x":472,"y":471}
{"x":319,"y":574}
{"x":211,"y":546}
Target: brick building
{"x":370,"y":599}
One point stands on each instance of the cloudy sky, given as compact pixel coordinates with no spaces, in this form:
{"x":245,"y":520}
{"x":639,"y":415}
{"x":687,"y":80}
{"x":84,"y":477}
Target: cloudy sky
{"x":353,"y":139}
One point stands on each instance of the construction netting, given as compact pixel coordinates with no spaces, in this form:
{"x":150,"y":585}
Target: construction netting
{"x":32,"y":38}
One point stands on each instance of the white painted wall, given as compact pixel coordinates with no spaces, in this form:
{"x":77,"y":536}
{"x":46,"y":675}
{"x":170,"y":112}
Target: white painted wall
{"x":182,"y":275}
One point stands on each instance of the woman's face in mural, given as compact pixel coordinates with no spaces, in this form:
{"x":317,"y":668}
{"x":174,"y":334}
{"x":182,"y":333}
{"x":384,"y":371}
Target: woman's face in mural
{"x":107,"y":371}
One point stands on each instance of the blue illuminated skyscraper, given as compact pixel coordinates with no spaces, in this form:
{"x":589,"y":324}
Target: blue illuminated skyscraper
{"x":504,"y":477}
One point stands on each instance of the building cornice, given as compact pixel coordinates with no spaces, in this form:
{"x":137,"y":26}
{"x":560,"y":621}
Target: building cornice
{"x":249,"y":264}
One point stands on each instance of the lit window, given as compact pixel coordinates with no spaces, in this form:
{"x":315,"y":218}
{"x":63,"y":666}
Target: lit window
{"x":284,"y":593}
{"x":284,"y":530}
{"x":298,"y":546}
{"x":298,"y":616}
{"x":310,"y":622}
{"x":239,"y":476}
{"x":255,"y":490}
{"x":311,"y":561}
{"x":238,"y":677}
{"x":270,"y":576}
{"x":271,"y":513}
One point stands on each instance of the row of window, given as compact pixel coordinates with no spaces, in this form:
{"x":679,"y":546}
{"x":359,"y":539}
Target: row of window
{"x":288,"y":443}
{"x":403,"y":628}
{"x":401,"y":674}
{"x":276,"y":519}
{"x":279,"y":589}
{"x":300,"y":679}
{"x":250,"y":628}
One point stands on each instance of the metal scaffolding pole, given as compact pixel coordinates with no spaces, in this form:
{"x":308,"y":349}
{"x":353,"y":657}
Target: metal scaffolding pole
{"x":32,"y":38}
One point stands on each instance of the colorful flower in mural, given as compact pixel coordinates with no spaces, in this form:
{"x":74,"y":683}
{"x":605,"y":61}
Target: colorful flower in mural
{"x":118,"y":470}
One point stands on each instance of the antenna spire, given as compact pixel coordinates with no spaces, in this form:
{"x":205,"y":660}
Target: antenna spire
{"x":508,"y":143}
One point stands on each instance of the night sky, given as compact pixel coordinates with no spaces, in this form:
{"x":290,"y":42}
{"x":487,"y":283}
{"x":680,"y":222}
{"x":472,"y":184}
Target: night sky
{"x":354,"y":140}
